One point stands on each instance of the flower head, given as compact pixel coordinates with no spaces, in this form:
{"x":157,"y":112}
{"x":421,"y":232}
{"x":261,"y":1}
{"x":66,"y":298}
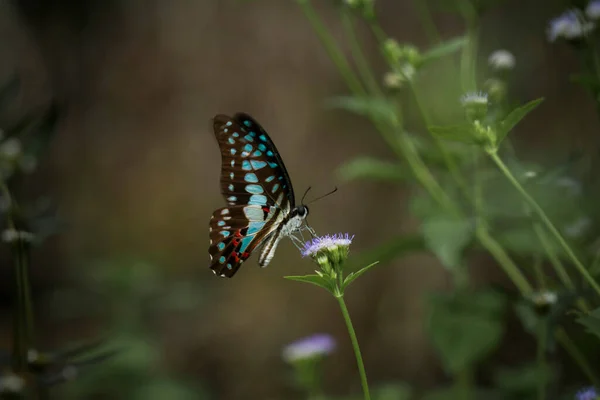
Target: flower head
{"x":501,"y":60}
{"x":310,"y":347}
{"x":569,"y":25}
{"x":474,"y":98}
{"x":329,"y":251}
{"x":592,"y":11}
{"x":589,"y":393}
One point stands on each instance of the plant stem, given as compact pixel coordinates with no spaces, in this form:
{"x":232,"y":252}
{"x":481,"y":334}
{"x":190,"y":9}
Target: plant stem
{"x":569,"y":346}
{"x":464,"y":381}
{"x":541,"y":359}
{"x":331,"y":47}
{"x":544,"y":218}
{"x":354,"y":340}
{"x":357,"y":54}
{"x":427,"y":21}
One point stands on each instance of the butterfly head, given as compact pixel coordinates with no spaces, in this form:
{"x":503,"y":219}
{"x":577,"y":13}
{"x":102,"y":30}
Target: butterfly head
{"x":300,"y":211}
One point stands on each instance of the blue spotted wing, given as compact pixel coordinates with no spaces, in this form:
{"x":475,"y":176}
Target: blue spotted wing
{"x":257,"y":189}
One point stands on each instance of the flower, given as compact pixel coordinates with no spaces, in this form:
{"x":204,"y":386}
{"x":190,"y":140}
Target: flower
{"x":502,"y":59}
{"x":474,"y":98}
{"x":587,"y":394}
{"x":569,"y":25}
{"x":326,"y":243}
{"x":592,"y":11}
{"x":329,"y":251}
{"x":543,"y":298}
{"x":310,"y":347}
{"x":11,"y":383}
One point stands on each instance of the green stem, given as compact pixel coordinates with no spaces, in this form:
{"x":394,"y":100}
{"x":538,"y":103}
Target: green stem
{"x":541,"y":359}
{"x":427,"y":20}
{"x":468,"y":58}
{"x":361,"y":62}
{"x":359,"y":360}
{"x":545,"y":220}
{"x":553,"y":257}
{"x":569,"y":346}
{"x":331,"y":47}
{"x":464,"y":381}
{"x":23,"y":319}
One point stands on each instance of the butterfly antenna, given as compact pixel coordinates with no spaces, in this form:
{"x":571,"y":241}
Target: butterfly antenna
{"x":304,"y":195}
{"x":323,"y":196}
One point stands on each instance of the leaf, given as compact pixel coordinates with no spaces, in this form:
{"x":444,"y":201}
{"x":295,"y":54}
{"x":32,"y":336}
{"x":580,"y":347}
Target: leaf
{"x":466,"y":327}
{"x":373,"y":169}
{"x":353,"y":275}
{"x":447,"y":236}
{"x":591,"y":321}
{"x":365,"y":106}
{"x":523,"y":380}
{"x":444,"y":49}
{"x":315,"y":280}
{"x":454,"y":133}
{"x":515,"y":116}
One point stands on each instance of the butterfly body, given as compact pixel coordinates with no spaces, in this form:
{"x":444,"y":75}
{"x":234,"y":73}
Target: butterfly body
{"x":261,"y":205}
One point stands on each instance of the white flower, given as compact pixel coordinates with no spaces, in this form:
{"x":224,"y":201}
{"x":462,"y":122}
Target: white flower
{"x":544,"y":297}
{"x":592,"y":11}
{"x":11,"y":148}
{"x":530,"y":174}
{"x":11,"y":235}
{"x":327,"y":243}
{"x":502,"y":59}
{"x":569,"y":25}
{"x":474,"y":98}
{"x":11,"y":384}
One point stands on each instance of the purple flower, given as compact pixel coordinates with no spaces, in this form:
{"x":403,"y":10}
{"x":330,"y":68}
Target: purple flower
{"x":592,"y":11}
{"x":317,"y":345}
{"x":587,"y":394}
{"x":326,"y":243}
{"x":569,"y":25}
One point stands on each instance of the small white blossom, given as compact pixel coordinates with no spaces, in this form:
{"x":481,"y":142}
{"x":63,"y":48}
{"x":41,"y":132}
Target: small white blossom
{"x":578,"y":227}
{"x":326,"y":243}
{"x":11,"y":384}
{"x":592,"y":11}
{"x":10,"y":148}
{"x":530,"y":174}
{"x":569,"y":25}
{"x":502,"y":59}
{"x":11,"y":235}
{"x":474,"y":98}
{"x":544,"y":297}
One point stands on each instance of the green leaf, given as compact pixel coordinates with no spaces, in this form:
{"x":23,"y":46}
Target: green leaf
{"x":353,"y":275}
{"x":447,"y":236}
{"x":365,"y":106}
{"x":373,"y":169}
{"x":466,"y":327}
{"x":317,"y":280}
{"x":514,"y":117}
{"x":454,"y":133}
{"x":443,"y":49}
{"x":591,"y":321}
{"x":523,"y":380}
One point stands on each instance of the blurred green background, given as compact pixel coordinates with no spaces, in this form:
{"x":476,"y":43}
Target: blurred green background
{"x":134,"y":173}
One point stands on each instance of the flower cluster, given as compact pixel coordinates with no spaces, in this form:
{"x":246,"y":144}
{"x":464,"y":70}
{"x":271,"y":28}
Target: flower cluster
{"x":587,"y":394}
{"x":570,"y":25}
{"x":329,"y":251}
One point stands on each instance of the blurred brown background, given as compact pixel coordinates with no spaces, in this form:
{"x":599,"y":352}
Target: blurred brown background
{"x":134,"y":170}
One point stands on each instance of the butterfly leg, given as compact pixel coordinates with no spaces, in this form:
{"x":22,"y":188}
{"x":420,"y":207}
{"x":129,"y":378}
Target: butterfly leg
{"x":297,"y":242}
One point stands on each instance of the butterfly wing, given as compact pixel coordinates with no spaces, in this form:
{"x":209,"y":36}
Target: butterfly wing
{"x":255,"y":185}
{"x":235,"y":231}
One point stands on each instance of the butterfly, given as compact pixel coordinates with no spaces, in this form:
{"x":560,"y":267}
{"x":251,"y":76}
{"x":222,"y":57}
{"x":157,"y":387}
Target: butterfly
{"x":261,"y":208}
